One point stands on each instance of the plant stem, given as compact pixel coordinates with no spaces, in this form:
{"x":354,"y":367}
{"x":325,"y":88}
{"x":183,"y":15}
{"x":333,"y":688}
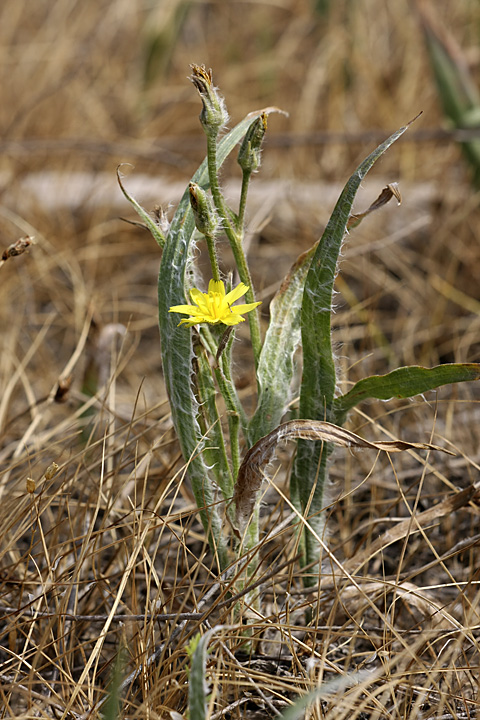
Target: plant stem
{"x":217,"y":455}
{"x":246,"y":175}
{"x":212,"y":253}
{"x":235,"y":238}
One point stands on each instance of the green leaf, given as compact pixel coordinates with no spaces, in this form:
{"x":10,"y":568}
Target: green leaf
{"x":197,"y":686}
{"x":275,"y":368}
{"x":146,"y":217}
{"x":318,"y":382}
{"x":404,"y":382}
{"x":319,"y":379}
{"x":112,"y":708}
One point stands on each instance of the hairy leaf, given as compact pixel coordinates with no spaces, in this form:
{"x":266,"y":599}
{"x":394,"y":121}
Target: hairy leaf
{"x":404,"y":382}
{"x":318,"y":380}
{"x":275,"y":368}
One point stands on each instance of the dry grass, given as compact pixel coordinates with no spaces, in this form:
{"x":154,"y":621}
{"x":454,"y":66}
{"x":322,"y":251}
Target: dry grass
{"x":109,"y":552}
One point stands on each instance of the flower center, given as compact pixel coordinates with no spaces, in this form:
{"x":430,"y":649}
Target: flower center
{"x":217,"y":305}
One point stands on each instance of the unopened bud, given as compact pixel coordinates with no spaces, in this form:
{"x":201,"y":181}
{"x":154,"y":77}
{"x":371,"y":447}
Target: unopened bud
{"x":250,"y":149}
{"x":51,"y":471}
{"x":206,"y":218}
{"x":214,"y":113}
{"x":18,"y":247}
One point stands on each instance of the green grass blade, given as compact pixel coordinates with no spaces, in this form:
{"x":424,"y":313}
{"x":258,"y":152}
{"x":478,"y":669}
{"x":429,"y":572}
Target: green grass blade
{"x":297,"y":710}
{"x":456,"y":88}
{"x":319,"y":378}
{"x":112,"y":708}
{"x":404,"y":382}
{"x":275,"y":368}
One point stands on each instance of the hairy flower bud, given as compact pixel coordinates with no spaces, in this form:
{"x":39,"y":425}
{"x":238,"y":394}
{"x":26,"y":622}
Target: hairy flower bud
{"x":250,"y":149}
{"x":206,"y":218}
{"x":214,"y":113}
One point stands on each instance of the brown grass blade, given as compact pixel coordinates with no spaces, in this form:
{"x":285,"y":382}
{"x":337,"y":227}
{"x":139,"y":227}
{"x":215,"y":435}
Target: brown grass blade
{"x":412,"y":524}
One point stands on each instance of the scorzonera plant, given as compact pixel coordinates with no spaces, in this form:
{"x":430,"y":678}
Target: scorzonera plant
{"x":225,"y":456}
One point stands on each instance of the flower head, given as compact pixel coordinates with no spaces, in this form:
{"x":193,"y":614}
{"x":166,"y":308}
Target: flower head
{"x":216,"y":306}
{"x":214,"y":113}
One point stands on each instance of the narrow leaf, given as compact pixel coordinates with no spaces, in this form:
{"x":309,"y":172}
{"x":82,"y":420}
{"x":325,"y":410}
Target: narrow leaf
{"x":197,"y":687}
{"x":297,"y":710}
{"x":318,"y":380}
{"x":275,"y":368}
{"x":456,"y":86}
{"x":250,"y":475}
{"x":146,"y":217}
{"x":404,"y":382}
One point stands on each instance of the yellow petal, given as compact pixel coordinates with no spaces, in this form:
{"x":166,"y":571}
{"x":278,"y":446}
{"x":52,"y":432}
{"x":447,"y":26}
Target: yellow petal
{"x":236,"y":293}
{"x":232,"y":319}
{"x":247,"y":307}
{"x":182,"y":309}
{"x":216,"y":286}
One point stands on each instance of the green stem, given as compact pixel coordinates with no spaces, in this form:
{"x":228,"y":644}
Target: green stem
{"x":228,"y":391}
{"x":234,"y":430}
{"x":211,"y":425}
{"x":231,"y":398}
{"x":235,"y":239}
{"x":243,"y":198}
{"x":212,"y":253}
{"x":236,"y":415}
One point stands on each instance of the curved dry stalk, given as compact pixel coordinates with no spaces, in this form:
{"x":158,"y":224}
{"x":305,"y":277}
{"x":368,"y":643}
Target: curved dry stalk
{"x":250,"y":475}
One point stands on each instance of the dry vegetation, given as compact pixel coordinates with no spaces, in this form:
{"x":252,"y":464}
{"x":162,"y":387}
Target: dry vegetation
{"x":108,"y":550}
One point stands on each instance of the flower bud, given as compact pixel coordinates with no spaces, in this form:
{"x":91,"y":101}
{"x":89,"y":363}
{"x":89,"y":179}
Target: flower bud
{"x":18,"y":247}
{"x":250,"y":149}
{"x":214,"y":113}
{"x":206,"y":218}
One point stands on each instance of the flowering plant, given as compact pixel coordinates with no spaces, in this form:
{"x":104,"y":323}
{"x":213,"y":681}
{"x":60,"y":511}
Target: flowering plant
{"x":225,"y":455}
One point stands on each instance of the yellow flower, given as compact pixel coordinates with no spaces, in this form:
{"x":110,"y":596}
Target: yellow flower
{"x":216,"y":306}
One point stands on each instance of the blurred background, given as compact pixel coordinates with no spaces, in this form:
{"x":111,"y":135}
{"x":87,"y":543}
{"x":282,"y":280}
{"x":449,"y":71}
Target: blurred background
{"x":100,"y":82}
{"x":87,"y":85}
